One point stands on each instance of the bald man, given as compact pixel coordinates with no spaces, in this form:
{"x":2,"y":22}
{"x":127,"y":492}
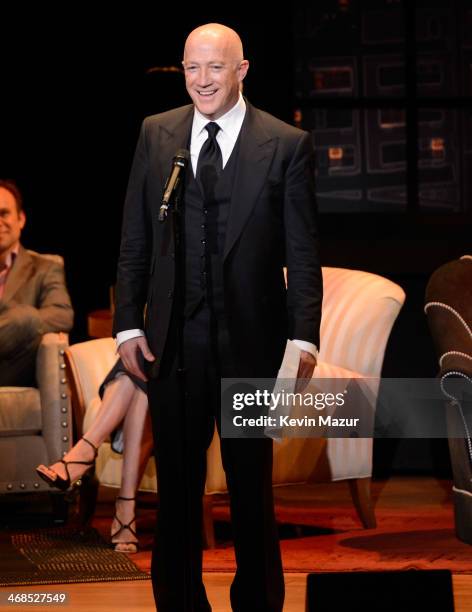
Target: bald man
{"x":248,"y":210}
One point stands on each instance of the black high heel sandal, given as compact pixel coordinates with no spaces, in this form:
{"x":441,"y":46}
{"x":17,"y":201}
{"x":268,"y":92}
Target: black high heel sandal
{"x":125,"y":526}
{"x":64,"y":483}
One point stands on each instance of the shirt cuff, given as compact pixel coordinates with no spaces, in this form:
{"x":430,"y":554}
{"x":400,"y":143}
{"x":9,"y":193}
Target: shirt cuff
{"x":127,"y":335}
{"x":309,"y":347}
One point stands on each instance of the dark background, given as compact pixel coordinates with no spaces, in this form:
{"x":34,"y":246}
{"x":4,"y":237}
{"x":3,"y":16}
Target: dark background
{"x":75,"y":85}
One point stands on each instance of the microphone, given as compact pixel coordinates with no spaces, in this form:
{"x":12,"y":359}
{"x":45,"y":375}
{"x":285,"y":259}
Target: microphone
{"x":179,"y":164}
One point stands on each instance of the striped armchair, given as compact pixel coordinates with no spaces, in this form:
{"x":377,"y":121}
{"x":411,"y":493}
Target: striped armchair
{"x":359,"y":310}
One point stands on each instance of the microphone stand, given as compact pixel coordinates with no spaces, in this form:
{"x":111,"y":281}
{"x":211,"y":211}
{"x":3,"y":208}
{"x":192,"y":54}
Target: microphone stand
{"x":179,"y":305}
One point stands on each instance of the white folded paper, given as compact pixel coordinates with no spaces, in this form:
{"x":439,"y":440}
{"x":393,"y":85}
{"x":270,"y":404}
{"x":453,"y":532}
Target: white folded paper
{"x":285,"y":383}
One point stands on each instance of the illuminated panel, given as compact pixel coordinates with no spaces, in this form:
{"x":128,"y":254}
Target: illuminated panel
{"x":336,"y":160}
{"x":439,"y":167}
{"x":431,"y":150}
{"x":341,"y":158}
{"x":437,"y":39}
{"x":335,"y":134}
{"x":385,"y":146}
{"x":436,"y":146}
{"x":393,"y":154}
{"x":326,"y":40}
{"x":333,"y":80}
{"x":436,"y":74}
{"x":336,"y":139}
{"x":335,"y":153}
{"x":332,"y":76}
{"x":391,"y":118}
{"x":384,"y":75}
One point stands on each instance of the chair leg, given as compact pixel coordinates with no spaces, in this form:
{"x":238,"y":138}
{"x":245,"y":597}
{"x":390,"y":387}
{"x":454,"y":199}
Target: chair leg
{"x":60,"y":508}
{"x":360,"y":493}
{"x":461,"y":471}
{"x":208,"y":527}
{"x":88,"y":500}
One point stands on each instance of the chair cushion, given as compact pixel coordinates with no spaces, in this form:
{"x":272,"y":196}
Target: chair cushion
{"x":20,"y":411}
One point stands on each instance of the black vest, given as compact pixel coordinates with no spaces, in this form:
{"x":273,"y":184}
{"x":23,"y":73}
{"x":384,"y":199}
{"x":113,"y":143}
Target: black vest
{"x":205,"y":221}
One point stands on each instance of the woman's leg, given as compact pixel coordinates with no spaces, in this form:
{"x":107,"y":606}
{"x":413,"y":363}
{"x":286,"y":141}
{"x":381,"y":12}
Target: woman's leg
{"x":137,"y":447}
{"x":115,"y":404}
{"x":137,"y":444}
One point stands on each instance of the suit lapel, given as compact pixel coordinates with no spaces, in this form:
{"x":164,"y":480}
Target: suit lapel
{"x":256,"y":150}
{"x":21,"y":271}
{"x":175,"y":135}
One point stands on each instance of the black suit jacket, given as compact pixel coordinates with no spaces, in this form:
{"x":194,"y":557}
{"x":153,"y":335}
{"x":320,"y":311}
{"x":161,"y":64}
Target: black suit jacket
{"x":272,"y":223}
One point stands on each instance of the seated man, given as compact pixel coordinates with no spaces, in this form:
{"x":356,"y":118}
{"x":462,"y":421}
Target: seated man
{"x":33,"y":296}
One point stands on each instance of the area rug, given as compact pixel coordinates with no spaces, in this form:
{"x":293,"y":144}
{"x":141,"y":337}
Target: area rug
{"x":62,"y":555}
{"x":401,"y":541}
{"x":415,"y":530}
{"x":320,"y":531}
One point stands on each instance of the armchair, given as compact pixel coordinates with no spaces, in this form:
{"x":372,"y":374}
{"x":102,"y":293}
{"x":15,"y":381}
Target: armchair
{"x":35,"y":423}
{"x":449,"y":312}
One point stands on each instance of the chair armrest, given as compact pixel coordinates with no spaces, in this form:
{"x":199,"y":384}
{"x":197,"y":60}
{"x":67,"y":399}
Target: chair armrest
{"x":56,"y":416}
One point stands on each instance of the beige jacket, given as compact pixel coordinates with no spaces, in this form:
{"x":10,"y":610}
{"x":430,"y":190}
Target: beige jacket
{"x":38,"y":281}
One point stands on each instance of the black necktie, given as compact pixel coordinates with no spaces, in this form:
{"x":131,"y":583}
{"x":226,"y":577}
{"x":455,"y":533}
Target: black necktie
{"x":210,"y":161}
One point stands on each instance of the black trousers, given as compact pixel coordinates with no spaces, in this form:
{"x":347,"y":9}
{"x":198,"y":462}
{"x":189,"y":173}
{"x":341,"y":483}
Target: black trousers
{"x":21,"y":331}
{"x":181,"y":438}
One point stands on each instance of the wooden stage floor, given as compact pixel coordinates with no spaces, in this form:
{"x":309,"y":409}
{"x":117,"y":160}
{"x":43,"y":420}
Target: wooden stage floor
{"x":130,"y":596}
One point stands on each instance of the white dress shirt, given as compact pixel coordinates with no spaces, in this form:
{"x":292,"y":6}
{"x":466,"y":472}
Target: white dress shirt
{"x":230,"y":125}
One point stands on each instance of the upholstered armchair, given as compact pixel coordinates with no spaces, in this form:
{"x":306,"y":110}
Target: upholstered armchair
{"x":35,"y":423}
{"x":359,"y":310}
{"x":449,"y":311}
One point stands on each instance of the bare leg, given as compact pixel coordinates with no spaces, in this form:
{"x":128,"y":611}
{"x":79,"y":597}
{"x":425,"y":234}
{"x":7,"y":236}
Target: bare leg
{"x":116,"y":401}
{"x":137,"y":444}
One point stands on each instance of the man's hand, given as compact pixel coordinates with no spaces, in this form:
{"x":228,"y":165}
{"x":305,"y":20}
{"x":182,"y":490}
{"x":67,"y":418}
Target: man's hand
{"x":305,"y":370}
{"x":130,"y":352}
